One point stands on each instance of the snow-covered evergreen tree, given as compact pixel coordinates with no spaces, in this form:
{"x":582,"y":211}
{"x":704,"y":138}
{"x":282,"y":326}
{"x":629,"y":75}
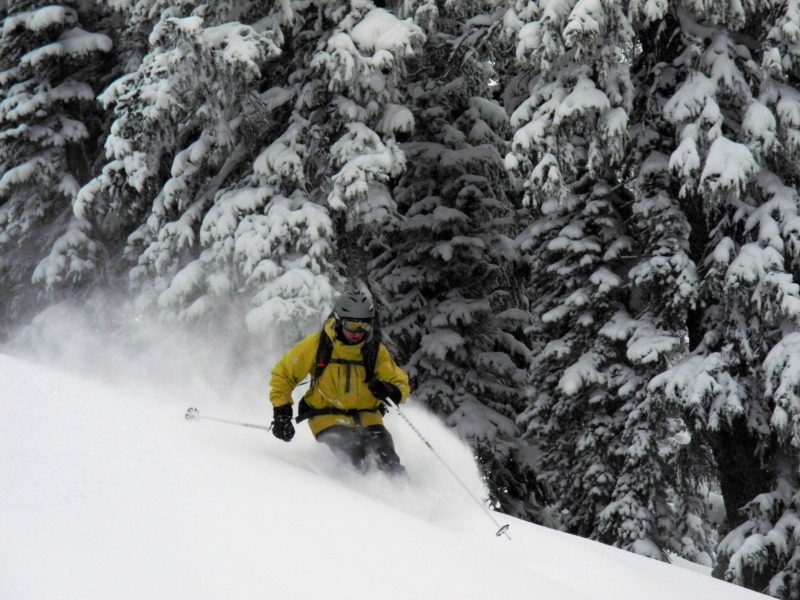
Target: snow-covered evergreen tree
{"x":340,"y":90}
{"x":559,"y":115}
{"x":49,"y":125}
{"x":615,"y":454}
{"x":448,"y":269}
{"x":723,"y":84}
{"x":181,"y":131}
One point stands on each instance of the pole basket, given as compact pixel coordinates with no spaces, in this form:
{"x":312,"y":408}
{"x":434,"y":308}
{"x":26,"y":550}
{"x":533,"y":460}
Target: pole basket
{"x":502,"y":530}
{"x":192,"y":414}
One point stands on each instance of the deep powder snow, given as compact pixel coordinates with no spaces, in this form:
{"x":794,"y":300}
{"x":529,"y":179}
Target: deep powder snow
{"x":113,"y":494}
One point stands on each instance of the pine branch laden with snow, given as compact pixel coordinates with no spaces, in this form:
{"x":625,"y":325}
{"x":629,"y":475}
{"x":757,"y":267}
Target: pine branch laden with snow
{"x":281,"y":247}
{"x":141,"y":17}
{"x":575,"y":118}
{"x":47,"y":125}
{"x":339,"y":150}
{"x":282,"y":255}
{"x":706,"y":160}
{"x":195,"y":77}
{"x":358,"y":71}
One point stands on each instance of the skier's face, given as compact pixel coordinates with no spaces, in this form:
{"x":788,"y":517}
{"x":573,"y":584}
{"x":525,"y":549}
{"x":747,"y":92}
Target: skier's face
{"x":355,"y":331}
{"x":353,"y":338}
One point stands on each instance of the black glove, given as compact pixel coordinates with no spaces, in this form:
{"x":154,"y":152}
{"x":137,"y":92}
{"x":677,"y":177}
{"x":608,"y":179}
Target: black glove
{"x":282,"y":427}
{"x":383,"y":389}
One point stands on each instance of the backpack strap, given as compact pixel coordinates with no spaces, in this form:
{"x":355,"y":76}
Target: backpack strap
{"x":369,"y":355}
{"x":323,"y":358}
{"x":369,"y":352}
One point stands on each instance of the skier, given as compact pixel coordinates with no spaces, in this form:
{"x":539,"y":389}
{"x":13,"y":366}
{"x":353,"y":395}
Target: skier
{"x":352,"y":373}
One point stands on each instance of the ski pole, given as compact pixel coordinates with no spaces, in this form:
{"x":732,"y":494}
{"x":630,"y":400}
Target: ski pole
{"x":502,"y":529}
{"x":194,"y":415}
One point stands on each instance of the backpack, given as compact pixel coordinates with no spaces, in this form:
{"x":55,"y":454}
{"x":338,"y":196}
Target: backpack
{"x":369,"y":358}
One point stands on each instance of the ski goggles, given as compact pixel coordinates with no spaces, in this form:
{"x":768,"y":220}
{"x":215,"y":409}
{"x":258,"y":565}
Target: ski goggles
{"x":356,"y":326}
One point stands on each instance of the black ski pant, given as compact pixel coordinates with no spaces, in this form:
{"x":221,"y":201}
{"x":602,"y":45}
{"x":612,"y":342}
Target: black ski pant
{"x":363,"y":447}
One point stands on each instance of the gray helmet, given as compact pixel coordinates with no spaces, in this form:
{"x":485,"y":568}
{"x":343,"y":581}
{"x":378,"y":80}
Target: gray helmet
{"x":354,"y":306}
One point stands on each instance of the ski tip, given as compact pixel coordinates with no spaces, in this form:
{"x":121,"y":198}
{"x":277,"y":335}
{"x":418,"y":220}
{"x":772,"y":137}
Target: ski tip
{"x":192,"y":414}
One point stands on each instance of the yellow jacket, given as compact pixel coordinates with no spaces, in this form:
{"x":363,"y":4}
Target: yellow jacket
{"x":334,"y":389}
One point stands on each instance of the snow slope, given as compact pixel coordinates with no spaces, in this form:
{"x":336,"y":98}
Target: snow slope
{"x":112,"y":494}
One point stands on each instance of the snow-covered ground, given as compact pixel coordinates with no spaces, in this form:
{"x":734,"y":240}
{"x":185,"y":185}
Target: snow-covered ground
{"x":111,"y":494}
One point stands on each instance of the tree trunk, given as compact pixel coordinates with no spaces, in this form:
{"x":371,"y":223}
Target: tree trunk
{"x":742,"y":473}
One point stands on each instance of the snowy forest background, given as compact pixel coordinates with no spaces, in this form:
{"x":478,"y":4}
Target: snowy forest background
{"x":578,"y":217}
